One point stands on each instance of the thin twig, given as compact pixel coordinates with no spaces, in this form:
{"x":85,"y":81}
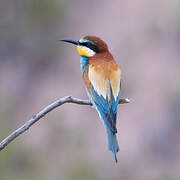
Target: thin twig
{"x":43,"y":112}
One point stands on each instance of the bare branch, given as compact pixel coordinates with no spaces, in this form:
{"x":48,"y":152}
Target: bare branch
{"x":43,"y":112}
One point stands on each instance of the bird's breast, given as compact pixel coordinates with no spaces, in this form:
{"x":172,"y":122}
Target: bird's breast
{"x":84,"y":63}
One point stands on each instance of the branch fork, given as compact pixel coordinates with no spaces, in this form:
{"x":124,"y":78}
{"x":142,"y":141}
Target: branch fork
{"x":43,"y":112}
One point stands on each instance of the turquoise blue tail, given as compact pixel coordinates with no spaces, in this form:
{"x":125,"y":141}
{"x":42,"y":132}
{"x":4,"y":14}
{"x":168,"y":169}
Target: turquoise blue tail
{"x":107,"y":108}
{"x":112,"y":142}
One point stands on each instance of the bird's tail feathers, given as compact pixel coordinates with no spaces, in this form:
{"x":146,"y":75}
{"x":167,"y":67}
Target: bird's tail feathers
{"x":112,"y":142}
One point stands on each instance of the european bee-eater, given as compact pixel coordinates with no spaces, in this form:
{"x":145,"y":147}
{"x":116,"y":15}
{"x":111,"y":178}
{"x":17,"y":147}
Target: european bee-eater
{"x":102,"y":78}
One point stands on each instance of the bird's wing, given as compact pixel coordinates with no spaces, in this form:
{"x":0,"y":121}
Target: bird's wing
{"x":103,"y":85}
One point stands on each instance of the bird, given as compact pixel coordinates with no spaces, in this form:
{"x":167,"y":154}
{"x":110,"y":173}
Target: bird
{"x":102,"y":78}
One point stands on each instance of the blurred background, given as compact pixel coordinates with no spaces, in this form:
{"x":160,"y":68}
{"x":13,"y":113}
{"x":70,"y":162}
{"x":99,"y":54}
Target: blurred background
{"x":70,"y":143}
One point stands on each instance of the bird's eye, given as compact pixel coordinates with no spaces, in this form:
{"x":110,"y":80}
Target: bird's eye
{"x":88,"y":44}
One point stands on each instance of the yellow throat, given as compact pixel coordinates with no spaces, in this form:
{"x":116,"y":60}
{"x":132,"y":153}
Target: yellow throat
{"x":85,"y":51}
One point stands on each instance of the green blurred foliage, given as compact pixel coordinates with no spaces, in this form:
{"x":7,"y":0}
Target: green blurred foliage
{"x":81,"y":171}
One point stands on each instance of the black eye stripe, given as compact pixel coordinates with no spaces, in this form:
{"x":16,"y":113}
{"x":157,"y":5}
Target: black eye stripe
{"x":90,"y":45}
{"x":94,"y":48}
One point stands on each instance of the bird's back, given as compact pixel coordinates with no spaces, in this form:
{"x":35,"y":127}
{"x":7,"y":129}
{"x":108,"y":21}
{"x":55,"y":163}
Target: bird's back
{"x":102,"y":67}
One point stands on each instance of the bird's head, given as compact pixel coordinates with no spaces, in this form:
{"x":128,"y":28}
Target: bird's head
{"x":88,"y":46}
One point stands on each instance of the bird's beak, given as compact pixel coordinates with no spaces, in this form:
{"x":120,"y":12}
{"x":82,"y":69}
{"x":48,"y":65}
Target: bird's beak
{"x":70,"y":41}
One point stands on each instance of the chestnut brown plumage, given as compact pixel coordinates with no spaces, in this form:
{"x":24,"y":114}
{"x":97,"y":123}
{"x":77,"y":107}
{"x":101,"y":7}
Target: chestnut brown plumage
{"x":102,"y":77}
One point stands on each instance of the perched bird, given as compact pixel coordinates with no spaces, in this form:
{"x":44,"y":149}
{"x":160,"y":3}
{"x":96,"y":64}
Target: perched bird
{"x":102,"y":78}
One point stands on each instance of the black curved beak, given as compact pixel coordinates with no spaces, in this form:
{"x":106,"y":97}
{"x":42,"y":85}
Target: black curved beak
{"x":70,"y":41}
